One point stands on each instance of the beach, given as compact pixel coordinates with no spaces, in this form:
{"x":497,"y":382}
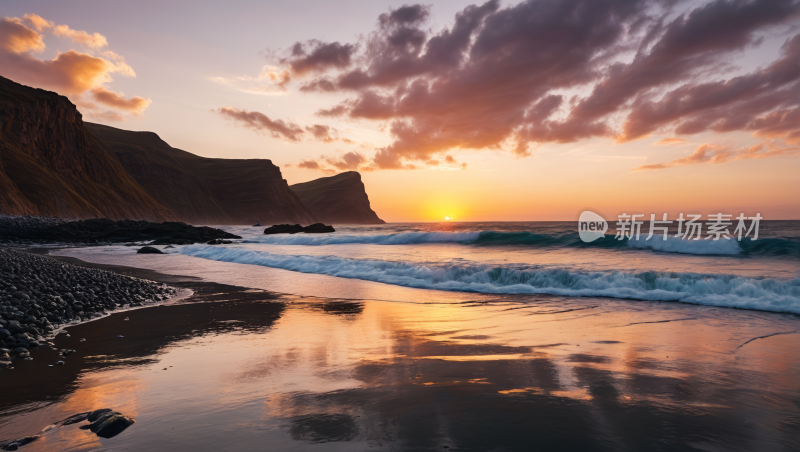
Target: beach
{"x":373,"y":366}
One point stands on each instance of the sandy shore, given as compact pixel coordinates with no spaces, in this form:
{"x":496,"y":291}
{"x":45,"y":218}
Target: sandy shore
{"x":247,"y":368}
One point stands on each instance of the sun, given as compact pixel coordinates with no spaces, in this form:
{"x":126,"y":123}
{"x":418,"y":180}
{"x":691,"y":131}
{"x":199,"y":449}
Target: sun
{"x":446,"y":218}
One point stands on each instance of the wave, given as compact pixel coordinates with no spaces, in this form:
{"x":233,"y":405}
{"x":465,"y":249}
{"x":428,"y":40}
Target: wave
{"x":762,"y":247}
{"x":403,"y":238}
{"x":714,"y":290}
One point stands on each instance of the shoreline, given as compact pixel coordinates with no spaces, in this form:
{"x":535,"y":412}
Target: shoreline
{"x":328,"y":369}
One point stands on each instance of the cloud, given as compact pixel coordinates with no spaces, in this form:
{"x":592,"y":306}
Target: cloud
{"x":350,"y":161}
{"x":715,"y":154}
{"x":670,"y":142}
{"x":271,"y":81}
{"x":262,"y":123}
{"x":92,"y":41}
{"x":37,"y":22}
{"x":16,"y":38}
{"x":320,"y":57}
{"x":118,"y":101}
{"x":80,"y":76}
{"x":497,"y":77}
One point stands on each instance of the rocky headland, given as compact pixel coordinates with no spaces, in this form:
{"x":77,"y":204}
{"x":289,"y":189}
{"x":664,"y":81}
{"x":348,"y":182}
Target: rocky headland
{"x":339,"y":199}
{"x":38,"y":230}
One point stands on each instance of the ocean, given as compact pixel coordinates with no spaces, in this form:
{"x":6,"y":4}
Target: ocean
{"x":538,"y":258}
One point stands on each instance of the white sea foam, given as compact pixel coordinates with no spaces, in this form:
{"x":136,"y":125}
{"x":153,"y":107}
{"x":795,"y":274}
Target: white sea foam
{"x":715,"y":290}
{"x":404,"y":238}
{"x":679,"y":245}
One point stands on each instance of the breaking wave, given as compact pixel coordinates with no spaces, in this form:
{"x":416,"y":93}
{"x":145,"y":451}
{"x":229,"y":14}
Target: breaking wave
{"x":765,"y":246}
{"x":704,"y":289}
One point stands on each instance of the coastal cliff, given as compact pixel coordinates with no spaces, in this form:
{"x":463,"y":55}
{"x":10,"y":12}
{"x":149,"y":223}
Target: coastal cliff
{"x":51,"y":165}
{"x":339,"y":199}
{"x":205,"y":190}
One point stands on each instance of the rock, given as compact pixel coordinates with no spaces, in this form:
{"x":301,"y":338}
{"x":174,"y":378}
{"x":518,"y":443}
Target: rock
{"x":14,"y":327}
{"x":4,"y":333}
{"x":107,"y":423}
{"x":74,"y":419}
{"x":219,"y":242}
{"x":257,"y":225}
{"x":19,"y":350}
{"x":113,"y":425}
{"x":168,"y":246}
{"x":60,"y":363}
{"x":14,"y":444}
{"x":315,"y":228}
{"x":318,"y":228}
{"x":97,"y":414}
{"x":284,"y":229}
{"x":149,"y":250}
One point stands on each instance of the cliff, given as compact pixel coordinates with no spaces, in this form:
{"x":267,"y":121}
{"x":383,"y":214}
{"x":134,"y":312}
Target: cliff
{"x":339,"y":199}
{"x":51,"y":165}
{"x":205,"y":190}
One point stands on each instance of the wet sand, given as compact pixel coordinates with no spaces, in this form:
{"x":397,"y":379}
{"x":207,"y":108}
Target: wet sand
{"x":249,"y":369}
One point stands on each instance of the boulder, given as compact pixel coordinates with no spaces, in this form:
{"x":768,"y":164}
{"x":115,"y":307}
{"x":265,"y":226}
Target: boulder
{"x":284,"y":229}
{"x":318,"y":228}
{"x":149,"y":250}
{"x":256,"y":225}
{"x":14,"y":444}
{"x":4,"y":333}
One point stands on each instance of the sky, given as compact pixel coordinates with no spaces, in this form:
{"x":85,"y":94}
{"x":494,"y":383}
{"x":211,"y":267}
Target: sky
{"x":486,"y":111}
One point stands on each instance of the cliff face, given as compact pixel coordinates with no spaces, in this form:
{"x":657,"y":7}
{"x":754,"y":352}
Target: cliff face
{"x":339,"y":199}
{"x":203,"y":190}
{"x":51,"y":165}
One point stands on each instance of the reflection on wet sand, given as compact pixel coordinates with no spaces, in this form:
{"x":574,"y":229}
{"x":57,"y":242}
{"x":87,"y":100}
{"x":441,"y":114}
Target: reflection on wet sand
{"x":507,"y":373}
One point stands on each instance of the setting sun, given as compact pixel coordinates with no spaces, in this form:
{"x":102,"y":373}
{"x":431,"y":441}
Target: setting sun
{"x":447,"y":218}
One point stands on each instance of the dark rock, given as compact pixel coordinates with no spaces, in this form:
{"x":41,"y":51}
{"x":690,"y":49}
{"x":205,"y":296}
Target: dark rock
{"x":14,"y":327}
{"x":315,"y":228}
{"x":113,"y":425}
{"x":255,"y":225}
{"x":318,"y":228}
{"x":284,"y":229}
{"x":97,"y":414}
{"x":14,"y":444}
{"x":219,"y":242}
{"x":149,"y":250}
{"x":168,"y":246}
{"x":19,"y":350}
{"x":74,"y":419}
{"x":4,"y":333}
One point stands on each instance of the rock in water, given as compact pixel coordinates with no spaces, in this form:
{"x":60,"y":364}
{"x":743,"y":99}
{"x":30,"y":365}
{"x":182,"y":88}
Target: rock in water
{"x":284,"y":229}
{"x":149,"y":250}
{"x":256,"y":225}
{"x":114,"y":425}
{"x":318,"y":228}
{"x":107,"y":423}
{"x":14,"y":444}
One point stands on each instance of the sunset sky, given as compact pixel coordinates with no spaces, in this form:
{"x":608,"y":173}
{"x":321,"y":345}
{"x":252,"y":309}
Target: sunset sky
{"x":505,"y":110}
